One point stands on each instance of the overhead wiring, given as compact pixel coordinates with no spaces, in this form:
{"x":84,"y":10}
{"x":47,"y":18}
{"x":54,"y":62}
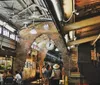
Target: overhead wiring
{"x":69,"y":17}
{"x":74,"y":11}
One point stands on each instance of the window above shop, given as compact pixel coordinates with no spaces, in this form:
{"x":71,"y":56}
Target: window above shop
{"x":12,"y":36}
{"x":7,"y":26}
{"x":8,"y":31}
{"x":5,"y":32}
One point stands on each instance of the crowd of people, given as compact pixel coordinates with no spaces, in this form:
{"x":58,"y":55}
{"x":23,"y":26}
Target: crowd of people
{"x":51,"y":75}
{"x":9,"y":79}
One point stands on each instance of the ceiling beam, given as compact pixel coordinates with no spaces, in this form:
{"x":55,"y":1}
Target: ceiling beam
{"x":35,"y":5}
{"x":96,"y":39}
{"x":81,"y":24}
{"x":86,"y":29}
{"x":88,"y":33}
{"x":7,"y":21}
{"x":24,"y":5}
{"x":83,"y":40}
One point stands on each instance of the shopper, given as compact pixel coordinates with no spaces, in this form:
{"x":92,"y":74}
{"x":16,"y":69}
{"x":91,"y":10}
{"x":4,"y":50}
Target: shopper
{"x":9,"y":78}
{"x":4,"y":74}
{"x":44,"y":74}
{"x":21,"y":72}
{"x":38,"y":72}
{"x":17,"y":78}
{"x":49,"y":74}
{"x":56,"y":74}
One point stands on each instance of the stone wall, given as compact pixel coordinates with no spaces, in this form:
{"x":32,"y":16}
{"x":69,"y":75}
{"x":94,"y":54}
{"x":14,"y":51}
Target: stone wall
{"x":67,"y":61}
{"x":26,"y":41}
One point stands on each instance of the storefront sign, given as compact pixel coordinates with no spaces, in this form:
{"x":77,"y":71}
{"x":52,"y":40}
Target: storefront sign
{"x":30,"y":65}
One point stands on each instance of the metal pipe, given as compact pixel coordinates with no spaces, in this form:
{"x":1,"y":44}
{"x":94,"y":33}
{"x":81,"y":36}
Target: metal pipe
{"x":96,"y":39}
{"x":22,"y":2}
{"x":41,"y":4}
{"x":73,"y":8}
{"x":51,"y":58}
{"x":30,"y":7}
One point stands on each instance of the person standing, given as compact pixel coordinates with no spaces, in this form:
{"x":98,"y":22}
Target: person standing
{"x":21,"y":72}
{"x":9,"y":78}
{"x":38,"y":72}
{"x":56,"y":74}
{"x":4,"y":75}
{"x":49,"y":74}
{"x":17,"y":78}
{"x":44,"y":73}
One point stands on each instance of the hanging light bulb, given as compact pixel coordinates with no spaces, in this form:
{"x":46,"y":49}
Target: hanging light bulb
{"x":56,"y":49}
{"x":46,"y":27}
{"x":33,"y":31}
{"x":68,"y":48}
{"x":25,"y":25}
